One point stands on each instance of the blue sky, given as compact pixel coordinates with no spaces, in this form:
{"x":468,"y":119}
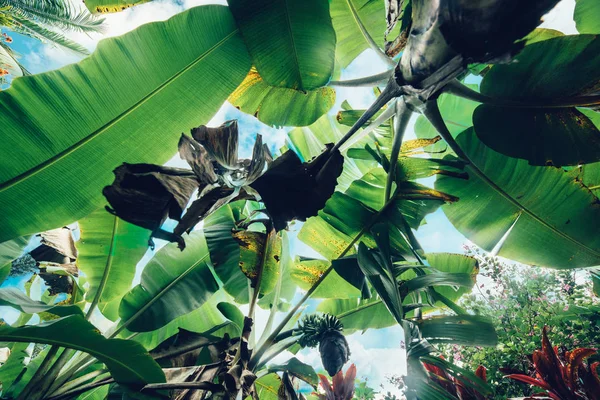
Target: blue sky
{"x":438,"y":235}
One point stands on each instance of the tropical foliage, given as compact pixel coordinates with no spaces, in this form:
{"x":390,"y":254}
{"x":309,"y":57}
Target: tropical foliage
{"x":521,"y":300}
{"x":45,"y":20}
{"x":514,"y":157}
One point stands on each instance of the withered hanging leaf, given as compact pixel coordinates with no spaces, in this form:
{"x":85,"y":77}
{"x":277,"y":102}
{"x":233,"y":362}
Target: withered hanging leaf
{"x":57,"y":246}
{"x":393,"y":9}
{"x":221,"y":142}
{"x":57,"y":249}
{"x":260,"y":157}
{"x":484,"y":31}
{"x":146,"y":194}
{"x":201,"y":207}
{"x":199,"y":374}
{"x":286,"y":390}
{"x":198,"y":158}
{"x":291,"y":189}
{"x":183,"y":349}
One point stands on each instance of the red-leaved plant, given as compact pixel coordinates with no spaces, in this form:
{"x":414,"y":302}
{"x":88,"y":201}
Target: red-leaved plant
{"x":454,"y":386}
{"x":341,"y":387}
{"x":563,"y":376}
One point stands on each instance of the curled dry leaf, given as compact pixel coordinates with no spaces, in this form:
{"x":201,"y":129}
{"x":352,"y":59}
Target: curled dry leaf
{"x":146,"y":194}
{"x":55,"y":257}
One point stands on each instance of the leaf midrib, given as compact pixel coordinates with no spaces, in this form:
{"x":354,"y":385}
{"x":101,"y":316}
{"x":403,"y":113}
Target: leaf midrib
{"x":159,"y":295}
{"x":294,"y":50}
{"x":76,"y":146}
{"x":483,"y":176}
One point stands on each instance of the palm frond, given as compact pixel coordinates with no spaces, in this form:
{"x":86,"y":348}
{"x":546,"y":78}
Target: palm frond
{"x":32,"y":29}
{"x":55,"y":13}
{"x":9,"y":61}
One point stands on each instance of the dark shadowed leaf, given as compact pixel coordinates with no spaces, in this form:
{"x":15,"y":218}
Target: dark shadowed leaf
{"x":291,"y":43}
{"x":483,"y":32}
{"x":298,"y":369}
{"x":146,"y":194}
{"x":557,"y":68}
{"x":292,"y":190}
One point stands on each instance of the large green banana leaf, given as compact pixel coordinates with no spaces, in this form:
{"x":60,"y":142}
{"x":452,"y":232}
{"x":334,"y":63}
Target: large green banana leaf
{"x":110,"y":6}
{"x":63,"y":132}
{"x":292,"y":43}
{"x":111,"y":248}
{"x":12,"y":367}
{"x":128,"y":361}
{"x":305,"y":273}
{"x":345,"y":15}
{"x":225,"y":251}
{"x":586,"y":16}
{"x":278,"y":106}
{"x":200,"y":320}
{"x":549,"y":218}
{"x":561,"y":67}
{"x":173,"y":283}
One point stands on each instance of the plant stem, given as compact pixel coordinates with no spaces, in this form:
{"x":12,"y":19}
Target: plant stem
{"x":81,"y":389}
{"x":275,"y":353}
{"x":39,"y":374}
{"x":52,"y":373}
{"x":385,"y":115}
{"x":81,"y":380}
{"x":271,"y":338}
{"x":107,"y":269}
{"x":391,"y":91}
{"x":368,"y":81}
{"x":457,"y":88}
{"x":403,"y":114}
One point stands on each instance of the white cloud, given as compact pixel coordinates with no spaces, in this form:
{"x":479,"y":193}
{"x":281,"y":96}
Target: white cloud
{"x":376,"y":365}
{"x":561,"y":18}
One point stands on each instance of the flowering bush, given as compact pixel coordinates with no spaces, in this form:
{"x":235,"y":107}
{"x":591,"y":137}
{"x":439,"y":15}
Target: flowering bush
{"x":521,"y":300}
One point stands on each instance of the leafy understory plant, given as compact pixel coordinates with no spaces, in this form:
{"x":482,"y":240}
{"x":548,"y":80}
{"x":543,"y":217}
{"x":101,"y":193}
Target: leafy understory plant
{"x":563,"y":374}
